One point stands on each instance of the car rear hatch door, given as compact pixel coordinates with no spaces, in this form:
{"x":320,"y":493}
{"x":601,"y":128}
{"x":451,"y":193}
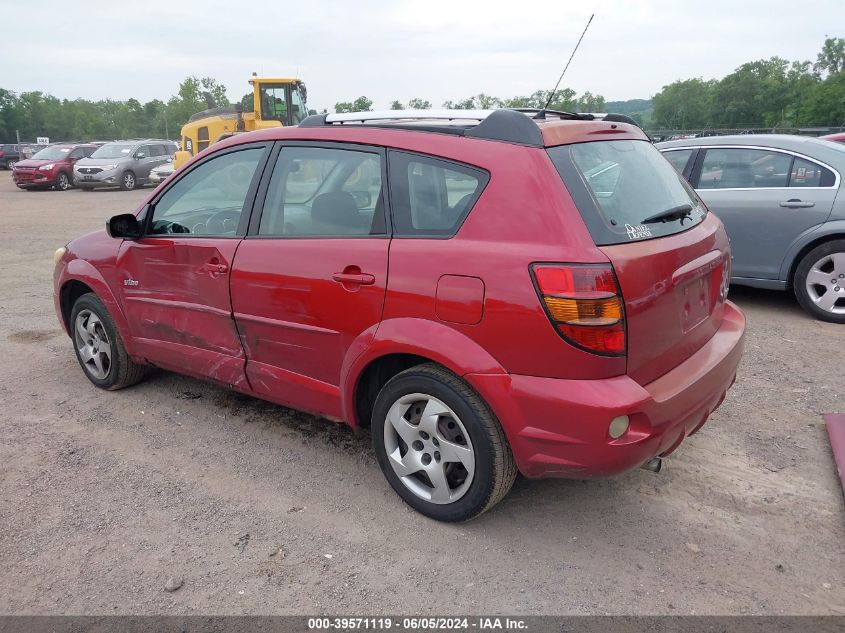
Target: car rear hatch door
{"x":671,"y":257}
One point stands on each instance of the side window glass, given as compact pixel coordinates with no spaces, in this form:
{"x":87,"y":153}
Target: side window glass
{"x":202,"y":139}
{"x":678,"y":158}
{"x":807,"y":174}
{"x":77,"y":153}
{"x":431,"y":197}
{"x":210,"y":199}
{"x":737,"y":168}
{"x":324,"y":192}
{"x":157,"y":150}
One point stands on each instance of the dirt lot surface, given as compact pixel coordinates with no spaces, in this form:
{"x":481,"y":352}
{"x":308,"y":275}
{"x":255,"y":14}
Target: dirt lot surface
{"x":258,"y":509}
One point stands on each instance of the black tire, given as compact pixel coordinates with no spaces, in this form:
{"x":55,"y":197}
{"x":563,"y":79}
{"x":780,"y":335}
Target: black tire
{"x":799,"y":282}
{"x":495,"y":468}
{"x":62,"y":182}
{"x":128,"y":181}
{"x":122,"y":370}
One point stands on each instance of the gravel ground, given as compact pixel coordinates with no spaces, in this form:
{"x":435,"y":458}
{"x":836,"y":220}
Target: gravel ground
{"x":107,"y":500}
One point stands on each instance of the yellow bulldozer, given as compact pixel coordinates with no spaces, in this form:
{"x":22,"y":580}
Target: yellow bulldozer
{"x":274,"y":102}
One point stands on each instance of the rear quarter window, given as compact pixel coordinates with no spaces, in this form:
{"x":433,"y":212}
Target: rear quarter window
{"x":618,"y":185}
{"x":431,"y":197}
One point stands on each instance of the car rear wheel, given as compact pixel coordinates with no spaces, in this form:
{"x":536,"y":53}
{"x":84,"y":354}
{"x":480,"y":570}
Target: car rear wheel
{"x":99,"y":348}
{"x":127,"y":181}
{"x":439,"y":445}
{"x":820,"y":282}
{"x":62,"y":182}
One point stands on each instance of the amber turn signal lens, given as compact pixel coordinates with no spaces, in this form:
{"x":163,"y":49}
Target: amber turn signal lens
{"x":585,"y":311}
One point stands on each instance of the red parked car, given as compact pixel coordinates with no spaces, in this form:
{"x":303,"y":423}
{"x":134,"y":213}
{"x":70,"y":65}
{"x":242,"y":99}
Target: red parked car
{"x":501,"y":293}
{"x":839,"y":137}
{"x":52,"y":167}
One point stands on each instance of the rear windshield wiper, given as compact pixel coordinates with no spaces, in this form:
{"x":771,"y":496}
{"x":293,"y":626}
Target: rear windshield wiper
{"x":675,"y":213}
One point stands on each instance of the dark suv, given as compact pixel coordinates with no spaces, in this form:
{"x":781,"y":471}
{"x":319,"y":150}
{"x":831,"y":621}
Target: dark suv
{"x":488,"y":291}
{"x":52,"y":167}
{"x":9,"y":155}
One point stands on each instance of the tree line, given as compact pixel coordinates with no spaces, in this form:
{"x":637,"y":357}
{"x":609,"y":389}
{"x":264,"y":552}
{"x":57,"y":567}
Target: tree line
{"x":770,"y":93}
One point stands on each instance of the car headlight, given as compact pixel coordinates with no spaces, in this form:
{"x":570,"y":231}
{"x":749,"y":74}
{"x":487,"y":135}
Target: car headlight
{"x":47,"y":167}
{"x":57,"y":256}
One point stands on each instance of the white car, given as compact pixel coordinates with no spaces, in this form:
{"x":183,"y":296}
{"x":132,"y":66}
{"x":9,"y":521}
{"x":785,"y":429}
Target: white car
{"x":160,"y":173}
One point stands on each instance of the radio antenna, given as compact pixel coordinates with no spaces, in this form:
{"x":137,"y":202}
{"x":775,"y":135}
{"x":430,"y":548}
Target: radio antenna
{"x":557,"y":85}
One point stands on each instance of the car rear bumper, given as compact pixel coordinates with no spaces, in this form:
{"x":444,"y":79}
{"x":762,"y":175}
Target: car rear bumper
{"x":559,"y":428}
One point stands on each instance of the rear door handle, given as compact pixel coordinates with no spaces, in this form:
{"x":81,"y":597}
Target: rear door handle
{"x":360,"y":279}
{"x":794,"y":203}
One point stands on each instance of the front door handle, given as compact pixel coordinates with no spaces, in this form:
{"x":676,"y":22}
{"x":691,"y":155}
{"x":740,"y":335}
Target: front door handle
{"x":359,"y":279}
{"x":214,"y":267}
{"x":795,"y":203}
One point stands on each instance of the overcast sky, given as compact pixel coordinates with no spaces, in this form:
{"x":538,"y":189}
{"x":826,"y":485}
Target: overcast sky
{"x":434,"y":49}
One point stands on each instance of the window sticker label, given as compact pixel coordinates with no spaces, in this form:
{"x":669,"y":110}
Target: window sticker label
{"x":637,"y":232}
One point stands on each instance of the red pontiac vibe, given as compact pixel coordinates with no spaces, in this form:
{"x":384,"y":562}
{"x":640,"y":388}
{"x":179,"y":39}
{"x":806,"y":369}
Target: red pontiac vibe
{"x":488,"y":291}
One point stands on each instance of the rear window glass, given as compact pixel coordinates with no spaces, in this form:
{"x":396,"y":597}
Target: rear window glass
{"x":432,"y":197}
{"x":808,"y":174}
{"x":621,"y":186}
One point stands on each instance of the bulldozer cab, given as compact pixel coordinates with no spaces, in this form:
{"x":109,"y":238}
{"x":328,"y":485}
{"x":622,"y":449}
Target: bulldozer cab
{"x":273,"y":102}
{"x":281,"y":100}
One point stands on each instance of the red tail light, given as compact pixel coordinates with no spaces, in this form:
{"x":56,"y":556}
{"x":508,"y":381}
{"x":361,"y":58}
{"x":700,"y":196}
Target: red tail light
{"x":584,"y":304}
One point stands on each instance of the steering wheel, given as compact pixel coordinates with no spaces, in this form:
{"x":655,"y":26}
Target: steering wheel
{"x":163,"y":227}
{"x":223,"y":222}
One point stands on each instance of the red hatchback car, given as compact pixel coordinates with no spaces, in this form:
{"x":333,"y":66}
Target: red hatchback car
{"x":52,"y":167}
{"x":488,"y":291}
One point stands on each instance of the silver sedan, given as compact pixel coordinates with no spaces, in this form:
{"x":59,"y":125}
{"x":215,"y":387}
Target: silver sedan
{"x":777,"y":196}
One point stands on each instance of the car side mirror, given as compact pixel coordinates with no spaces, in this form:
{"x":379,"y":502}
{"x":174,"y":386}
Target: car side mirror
{"x":124,"y":226}
{"x":140,"y":155}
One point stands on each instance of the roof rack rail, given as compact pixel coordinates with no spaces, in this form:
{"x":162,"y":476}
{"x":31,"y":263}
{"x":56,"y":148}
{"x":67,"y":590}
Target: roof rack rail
{"x":511,"y":125}
{"x":540,"y":113}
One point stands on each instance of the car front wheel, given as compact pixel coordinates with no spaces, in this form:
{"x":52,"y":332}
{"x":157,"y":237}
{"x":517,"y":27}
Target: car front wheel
{"x":820,"y":282}
{"x":99,"y":347}
{"x":62,"y":182}
{"x":439,"y":445}
{"x":127,"y":181}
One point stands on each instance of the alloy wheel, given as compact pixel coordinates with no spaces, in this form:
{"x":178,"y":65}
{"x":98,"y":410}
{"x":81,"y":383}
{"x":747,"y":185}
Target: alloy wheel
{"x":826,"y":283}
{"x":429,"y":448}
{"x":93,"y":344}
{"x":129,"y":180}
{"x":62,"y":182}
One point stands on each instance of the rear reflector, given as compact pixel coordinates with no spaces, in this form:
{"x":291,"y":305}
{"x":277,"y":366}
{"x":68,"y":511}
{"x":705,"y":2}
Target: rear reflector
{"x":584,"y":304}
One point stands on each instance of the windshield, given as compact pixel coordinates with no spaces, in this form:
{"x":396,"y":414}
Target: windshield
{"x":617,"y":185}
{"x":113,"y":150}
{"x":51,"y":153}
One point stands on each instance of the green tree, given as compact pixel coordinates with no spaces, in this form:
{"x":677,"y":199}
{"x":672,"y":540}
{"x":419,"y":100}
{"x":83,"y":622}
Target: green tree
{"x":396,"y":105}
{"x":831,"y":59}
{"x":361,"y":104}
{"x":419,"y":104}
{"x":684,"y":104}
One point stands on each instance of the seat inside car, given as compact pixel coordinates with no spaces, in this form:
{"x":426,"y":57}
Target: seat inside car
{"x":335,"y":212}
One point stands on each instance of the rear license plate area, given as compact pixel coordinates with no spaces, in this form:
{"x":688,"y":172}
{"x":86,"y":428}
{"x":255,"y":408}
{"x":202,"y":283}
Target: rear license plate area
{"x":694,"y":302}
